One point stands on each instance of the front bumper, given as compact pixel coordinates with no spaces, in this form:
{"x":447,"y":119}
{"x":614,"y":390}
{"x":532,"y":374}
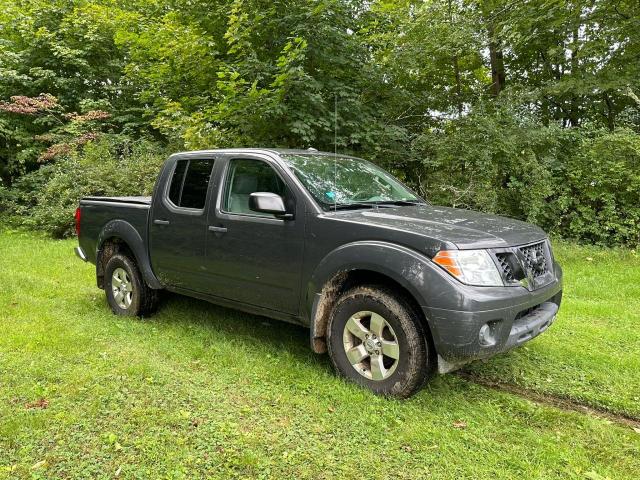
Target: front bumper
{"x":515,"y":316}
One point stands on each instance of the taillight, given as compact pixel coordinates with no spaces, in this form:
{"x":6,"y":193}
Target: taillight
{"x":77,"y":217}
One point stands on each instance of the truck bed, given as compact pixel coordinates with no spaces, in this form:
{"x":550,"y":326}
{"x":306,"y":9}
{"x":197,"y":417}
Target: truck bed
{"x":137,"y":200}
{"x":98,"y":213}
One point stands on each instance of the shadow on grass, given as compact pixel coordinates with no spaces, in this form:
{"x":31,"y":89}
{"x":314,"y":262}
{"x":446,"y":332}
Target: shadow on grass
{"x":275,"y":336}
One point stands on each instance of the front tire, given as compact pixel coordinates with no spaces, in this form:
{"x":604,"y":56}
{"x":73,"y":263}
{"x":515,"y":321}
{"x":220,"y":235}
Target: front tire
{"x":127,"y":293}
{"x":376,"y":340}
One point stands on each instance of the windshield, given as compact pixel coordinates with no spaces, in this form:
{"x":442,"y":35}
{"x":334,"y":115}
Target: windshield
{"x":346,"y":181}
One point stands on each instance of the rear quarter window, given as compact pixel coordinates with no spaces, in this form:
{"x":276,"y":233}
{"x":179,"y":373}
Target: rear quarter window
{"x":190,"y":182}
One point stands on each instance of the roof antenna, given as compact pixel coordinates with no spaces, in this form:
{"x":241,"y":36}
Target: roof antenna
{"x":335,"y":151}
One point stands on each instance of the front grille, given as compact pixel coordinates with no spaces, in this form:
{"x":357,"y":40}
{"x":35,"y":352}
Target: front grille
{"x":530,"y":264}
{"x":535,"y":259}
{"x":505,"y":266}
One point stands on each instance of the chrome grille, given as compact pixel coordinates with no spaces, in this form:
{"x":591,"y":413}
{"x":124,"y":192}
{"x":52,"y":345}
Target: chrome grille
{"x":535,"y":259}
{"x":505,"y":266}
{"x":529,"y":265}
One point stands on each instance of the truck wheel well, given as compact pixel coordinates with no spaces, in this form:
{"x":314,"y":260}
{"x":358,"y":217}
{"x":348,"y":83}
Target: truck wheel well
{"x":108,"y":249}
{"x":343,"y":281}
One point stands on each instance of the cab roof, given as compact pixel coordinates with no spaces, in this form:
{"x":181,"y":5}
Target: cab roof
{"x":277,"y":151}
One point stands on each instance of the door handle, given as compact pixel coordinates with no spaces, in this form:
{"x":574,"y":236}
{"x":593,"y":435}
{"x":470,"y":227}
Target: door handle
{"x":217,"y":229}
{"x":160,"y":222}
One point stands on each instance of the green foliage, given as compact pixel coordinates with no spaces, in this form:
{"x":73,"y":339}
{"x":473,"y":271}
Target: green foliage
{"x":66,"y":49}
{"x":597,"y":200}
{"x":46,"y":199}
{"x":580,"y":184}
{"x":501,"y":106}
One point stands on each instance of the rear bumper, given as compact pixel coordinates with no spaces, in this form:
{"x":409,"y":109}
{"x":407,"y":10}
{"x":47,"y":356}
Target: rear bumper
{"x":515,"y":317}
{"x":80,"y":254}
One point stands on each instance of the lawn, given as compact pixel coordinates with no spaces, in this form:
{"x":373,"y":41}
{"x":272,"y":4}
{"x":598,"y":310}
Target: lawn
{"x":593,"y":353}
{"x":199,"y":390}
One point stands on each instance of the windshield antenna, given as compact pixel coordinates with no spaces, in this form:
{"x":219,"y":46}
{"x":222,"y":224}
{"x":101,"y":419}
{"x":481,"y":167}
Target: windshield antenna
{"x":335,"y":151}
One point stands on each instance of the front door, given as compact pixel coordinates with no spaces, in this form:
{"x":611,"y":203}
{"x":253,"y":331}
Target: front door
{"x":255,"y":258}
{"x":178,"y":223}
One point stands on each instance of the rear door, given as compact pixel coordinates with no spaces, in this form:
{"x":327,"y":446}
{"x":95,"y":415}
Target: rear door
{"x":178,"y":222}
{"x":252,"y":257}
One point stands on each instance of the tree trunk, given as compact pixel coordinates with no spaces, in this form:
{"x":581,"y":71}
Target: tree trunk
{"x":456,"y":67}
{"x":574,"y":104}
{"x":498,"y":76}
{"x":456,"y":71}
{"x":610,"y":113}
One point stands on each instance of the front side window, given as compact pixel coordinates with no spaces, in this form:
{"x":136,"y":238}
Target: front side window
{"x":245,"y":177}
{"x":345,"y":181}
{"x":190,"y":182}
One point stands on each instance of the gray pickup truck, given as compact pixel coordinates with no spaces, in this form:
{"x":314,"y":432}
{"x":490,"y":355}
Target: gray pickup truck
{"x":391,"y":286}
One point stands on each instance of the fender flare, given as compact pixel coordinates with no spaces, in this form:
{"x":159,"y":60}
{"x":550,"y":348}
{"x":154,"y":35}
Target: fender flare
{"x":410,"y":269}
{"x":128,"y":234}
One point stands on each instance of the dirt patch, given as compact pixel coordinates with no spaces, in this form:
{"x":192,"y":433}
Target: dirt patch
{"x":41,"y":403}
{"x":323,"y":311}
{"x":555,"y":401}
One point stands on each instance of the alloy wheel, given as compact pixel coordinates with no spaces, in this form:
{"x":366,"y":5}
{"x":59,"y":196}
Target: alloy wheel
{"x":371,"y":345}
{"x":122,"y":288}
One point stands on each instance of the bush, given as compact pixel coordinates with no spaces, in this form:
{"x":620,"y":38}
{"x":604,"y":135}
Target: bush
{"x":22,"y":197}
{"x":46,"y":199}
{"x":579,"y":184}
{"x":598,"y":198}
{"x":500,"y":164}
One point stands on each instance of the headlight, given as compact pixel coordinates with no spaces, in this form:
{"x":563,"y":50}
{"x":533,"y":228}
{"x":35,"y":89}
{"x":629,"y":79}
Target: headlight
{"x":473,"y":267}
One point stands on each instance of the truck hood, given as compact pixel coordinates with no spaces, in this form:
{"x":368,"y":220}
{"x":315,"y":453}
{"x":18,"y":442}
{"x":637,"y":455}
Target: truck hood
{"x":463,"y":228}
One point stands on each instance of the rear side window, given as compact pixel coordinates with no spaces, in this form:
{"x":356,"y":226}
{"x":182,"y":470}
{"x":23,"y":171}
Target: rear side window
{"x":190,"y":182}
{"x":175,"y":190}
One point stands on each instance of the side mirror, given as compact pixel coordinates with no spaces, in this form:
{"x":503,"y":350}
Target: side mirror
{"x":266,"y":202}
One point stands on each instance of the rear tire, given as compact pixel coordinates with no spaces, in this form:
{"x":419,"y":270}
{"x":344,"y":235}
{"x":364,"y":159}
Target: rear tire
{"x":376,"y":340}
{"x":127,"y":293}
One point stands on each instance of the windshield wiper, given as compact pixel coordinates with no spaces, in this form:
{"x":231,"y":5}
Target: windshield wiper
{"x":351,"y":205}
{"x":402,"y":202}
{"x":376,"y":204}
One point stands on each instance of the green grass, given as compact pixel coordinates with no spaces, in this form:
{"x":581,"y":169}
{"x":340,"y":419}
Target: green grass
{"x":202,"y":391}
{"x":592,"y":353}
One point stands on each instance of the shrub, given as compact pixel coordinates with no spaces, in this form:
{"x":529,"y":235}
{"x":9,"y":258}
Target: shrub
{"x":47,"y":198}
{"x":598,"y":198}
{"x":579,"y":184}
{"x":23,"y":195}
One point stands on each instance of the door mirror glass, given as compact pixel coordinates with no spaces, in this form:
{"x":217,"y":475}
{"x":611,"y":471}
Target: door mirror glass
{"x":266,"y":202}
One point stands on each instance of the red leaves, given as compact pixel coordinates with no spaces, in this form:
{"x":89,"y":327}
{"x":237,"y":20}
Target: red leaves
{"x":89,"y":116}
{"x":64,"y":148}
{"x":53,"y":151}
{"x":23,"y":105}
{"x":64,"y":140}
{"x":86,"y":137}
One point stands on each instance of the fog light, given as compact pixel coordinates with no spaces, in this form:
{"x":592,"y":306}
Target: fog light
{"x":486,"y":335}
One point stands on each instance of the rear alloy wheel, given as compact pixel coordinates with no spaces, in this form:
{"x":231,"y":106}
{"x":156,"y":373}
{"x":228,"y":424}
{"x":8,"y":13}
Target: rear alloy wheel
{"x":122,"y":288}
{"x":127,"y":292}
{"x":376,"y":340}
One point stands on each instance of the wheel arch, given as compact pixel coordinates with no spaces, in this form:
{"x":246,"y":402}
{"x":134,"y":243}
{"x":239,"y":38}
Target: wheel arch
{"x":120,"y":236}
{"x":400,"y":269}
